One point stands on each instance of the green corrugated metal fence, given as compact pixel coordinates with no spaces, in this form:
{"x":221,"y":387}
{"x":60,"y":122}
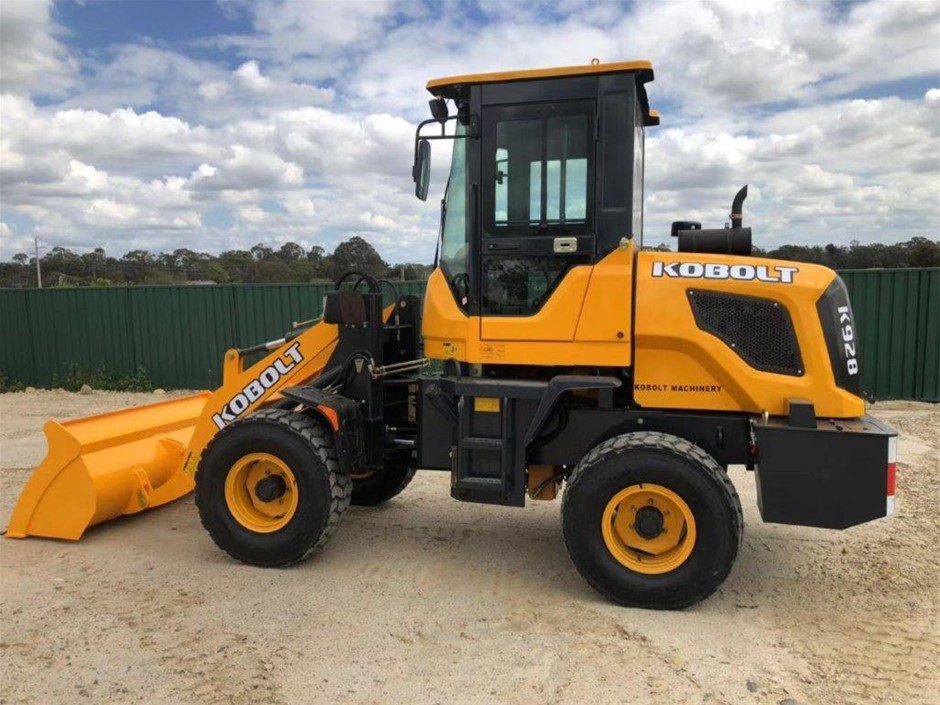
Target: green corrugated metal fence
{"x":897,"y":312}
{"x":178,"y":334}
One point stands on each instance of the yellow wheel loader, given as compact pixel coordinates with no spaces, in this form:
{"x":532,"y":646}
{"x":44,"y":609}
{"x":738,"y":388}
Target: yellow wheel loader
{"x":548,"y":352}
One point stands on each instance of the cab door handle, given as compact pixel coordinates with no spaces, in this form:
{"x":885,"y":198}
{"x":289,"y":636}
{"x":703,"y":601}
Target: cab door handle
{"x":564,"y":245}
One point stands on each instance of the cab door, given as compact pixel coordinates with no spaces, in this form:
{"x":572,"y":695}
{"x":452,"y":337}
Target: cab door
{"x":537,"y":238}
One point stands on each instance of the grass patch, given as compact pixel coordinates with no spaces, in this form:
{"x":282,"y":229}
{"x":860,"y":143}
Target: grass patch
{"x":10,"y":385}
{"x":138,"y":381}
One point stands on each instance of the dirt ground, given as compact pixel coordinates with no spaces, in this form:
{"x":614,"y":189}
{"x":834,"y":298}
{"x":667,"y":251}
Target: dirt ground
{"x":428,"y":600}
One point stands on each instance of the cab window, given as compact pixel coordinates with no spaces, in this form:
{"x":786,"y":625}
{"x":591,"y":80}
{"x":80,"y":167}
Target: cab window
{"x":540,"y":173}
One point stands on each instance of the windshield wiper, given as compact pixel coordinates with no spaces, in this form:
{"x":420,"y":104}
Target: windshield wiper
{"x":444,"y":206}
{"x":440,"y":234}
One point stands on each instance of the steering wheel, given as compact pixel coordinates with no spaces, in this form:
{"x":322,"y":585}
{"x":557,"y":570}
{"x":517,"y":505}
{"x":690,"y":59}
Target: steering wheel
{"x":370,"y":280}
{"x":390,"y":285}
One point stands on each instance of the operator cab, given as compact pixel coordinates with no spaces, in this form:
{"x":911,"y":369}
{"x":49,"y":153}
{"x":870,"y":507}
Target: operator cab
{"x":546,"y":176}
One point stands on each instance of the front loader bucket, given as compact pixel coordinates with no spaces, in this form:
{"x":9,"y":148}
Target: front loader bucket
{"x":100,"y":467}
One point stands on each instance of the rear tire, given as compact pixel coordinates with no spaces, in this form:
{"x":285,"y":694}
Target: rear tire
{"x":370,"y":489}
{"x":304,"y":452}
{"x":659,"y":479}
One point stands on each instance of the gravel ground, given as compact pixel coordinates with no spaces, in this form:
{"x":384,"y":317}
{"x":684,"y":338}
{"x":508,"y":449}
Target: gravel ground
{"x":428,"y":600}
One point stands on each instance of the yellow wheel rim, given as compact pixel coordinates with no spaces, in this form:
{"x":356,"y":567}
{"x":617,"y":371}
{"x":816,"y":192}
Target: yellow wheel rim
{"x":261,"y":492}
{"x":648,"y":529}
{"x":364,"y":475}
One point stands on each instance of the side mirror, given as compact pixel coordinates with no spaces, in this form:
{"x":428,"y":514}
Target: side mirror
{"x":421,"y":171}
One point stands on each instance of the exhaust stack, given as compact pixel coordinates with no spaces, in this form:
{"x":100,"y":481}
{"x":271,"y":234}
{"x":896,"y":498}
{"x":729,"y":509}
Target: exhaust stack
{"x":737,"y":208}
{"x":735,"y":240}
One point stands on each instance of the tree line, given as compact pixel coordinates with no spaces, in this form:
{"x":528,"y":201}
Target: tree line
{"x":916,"y":252}
{"x":261,"y":264}
{"x":292,"y":263}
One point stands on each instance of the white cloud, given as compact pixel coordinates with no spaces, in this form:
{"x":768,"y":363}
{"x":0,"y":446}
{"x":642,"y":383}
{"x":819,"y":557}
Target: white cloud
{"x":885,"y":41}
{"x":77,"y":174}
{"x":31,"y":57}
{"x":142,"y":74}
{"x":288,"y":28}
{"x":194,"y":90}
{"x":252,"y":214}
{"x":299,"y":205}
{"x":249,"y":83}
{"x":104,"y":211}
{"x":249,"y":75}
{"x":214,"y":90}
{"x":308,"y":134}
{"x":835,"y":172}
{"x":246,"y":169}
{"x":336,"y":145}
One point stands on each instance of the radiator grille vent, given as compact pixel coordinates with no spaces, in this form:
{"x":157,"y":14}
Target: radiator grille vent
{"x":759,"y":330}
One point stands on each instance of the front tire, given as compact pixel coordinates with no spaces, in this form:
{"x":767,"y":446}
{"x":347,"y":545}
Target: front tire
{"x":269,"y":488}
{"x":651,"y":520}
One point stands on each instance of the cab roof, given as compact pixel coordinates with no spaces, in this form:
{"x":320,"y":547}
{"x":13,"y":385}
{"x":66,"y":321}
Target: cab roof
{"x":455,"y":86}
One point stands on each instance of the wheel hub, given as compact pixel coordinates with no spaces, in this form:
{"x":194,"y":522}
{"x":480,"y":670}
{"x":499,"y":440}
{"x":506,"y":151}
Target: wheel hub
{"x":270,"y":488}
{"x":261,"y":492}
{"x":649,"y":523}
{"x":649,"y":529}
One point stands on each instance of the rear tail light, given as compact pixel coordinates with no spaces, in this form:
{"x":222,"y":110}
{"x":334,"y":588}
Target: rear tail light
{"x":892,"y":472}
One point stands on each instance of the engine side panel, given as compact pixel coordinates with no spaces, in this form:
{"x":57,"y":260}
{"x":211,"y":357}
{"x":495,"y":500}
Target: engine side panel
{"x":678,"y":365}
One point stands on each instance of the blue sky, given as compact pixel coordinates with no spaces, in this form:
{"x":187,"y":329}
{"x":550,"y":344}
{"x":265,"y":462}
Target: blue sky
{"x":218,"y":125}
{"x":177,"y":23}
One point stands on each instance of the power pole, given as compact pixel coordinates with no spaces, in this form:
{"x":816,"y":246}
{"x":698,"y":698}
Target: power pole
{"x":38,"y":270}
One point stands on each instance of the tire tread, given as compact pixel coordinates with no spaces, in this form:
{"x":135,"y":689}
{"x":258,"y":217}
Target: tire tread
{"x":654,"y":440}
{"x":372,"y":496}
{"x":321,"y":441}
